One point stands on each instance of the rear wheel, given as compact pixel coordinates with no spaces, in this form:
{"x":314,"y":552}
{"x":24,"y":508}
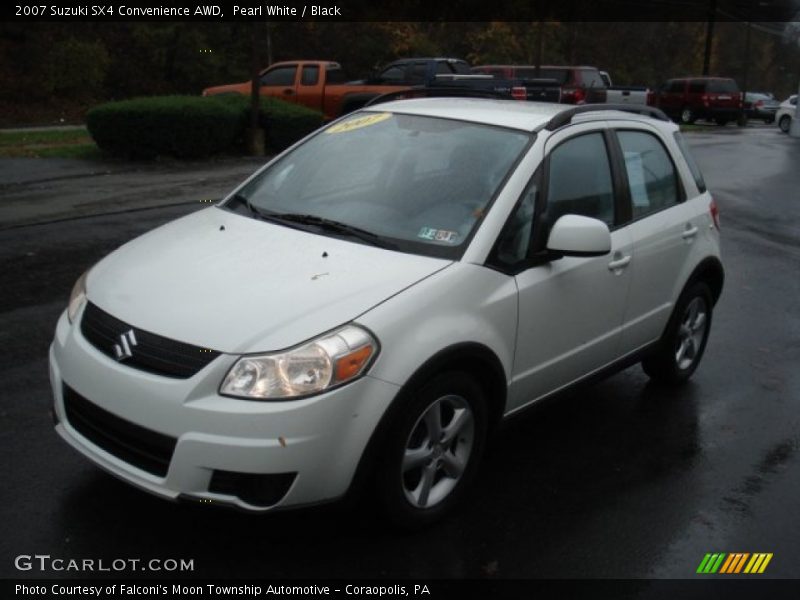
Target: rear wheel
{"x":785,"y":123}
{"x":687,"y":116}
{"x":681,"y":347}
{"x":433,"y":450}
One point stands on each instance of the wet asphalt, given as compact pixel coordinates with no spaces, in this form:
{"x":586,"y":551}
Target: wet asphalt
{"x":620,"y":479}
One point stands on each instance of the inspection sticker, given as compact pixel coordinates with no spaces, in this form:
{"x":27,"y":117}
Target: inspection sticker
{"x":358,"y":123}
{"x":438,"y":235}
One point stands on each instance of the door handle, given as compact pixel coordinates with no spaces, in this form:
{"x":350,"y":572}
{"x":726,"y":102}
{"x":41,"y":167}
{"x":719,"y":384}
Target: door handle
{"x":619,"y":262}
{"x":689,"y":232}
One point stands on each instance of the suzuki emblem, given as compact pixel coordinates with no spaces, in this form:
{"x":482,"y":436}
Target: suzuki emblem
{"x":123,"y":349}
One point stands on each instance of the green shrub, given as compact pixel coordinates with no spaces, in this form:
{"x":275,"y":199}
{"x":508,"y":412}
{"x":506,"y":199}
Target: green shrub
{"x":182,"y":126}
{"x":283,"y":123}
{"x":193,"y":127}
{"x":286,"y":123}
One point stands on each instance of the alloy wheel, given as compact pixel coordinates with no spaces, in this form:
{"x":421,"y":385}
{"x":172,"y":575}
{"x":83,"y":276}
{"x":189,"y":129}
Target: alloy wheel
{"x":691,"y":333}
{"x":437,"y":451}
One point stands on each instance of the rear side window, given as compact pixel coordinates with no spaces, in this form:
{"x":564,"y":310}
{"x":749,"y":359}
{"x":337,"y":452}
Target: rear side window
{"x":560,"y":75}
{"x":310,"y":75}
{"x":417,"y":73}
{"x":687,"y":155}
{"x":579,"y":180}
{"x":652,"y":179}
{"x":675,"y":87}
{"x":460,"y":67}
{"x":443,"y":69}
{"x":723,"y":86}
{"x":395,"y":73}
{"x":590,"y":78}
{"x":697,"y":87}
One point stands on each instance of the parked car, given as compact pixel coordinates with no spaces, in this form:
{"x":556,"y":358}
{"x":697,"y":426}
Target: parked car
{"x":786,"y":112}
{"x":688,"y":99}
{"x":323,"y":85}
{"x":371,"y":303}
{"x":579,"y":85}
{"x":631,"y":94}
{"x":761,"y":106}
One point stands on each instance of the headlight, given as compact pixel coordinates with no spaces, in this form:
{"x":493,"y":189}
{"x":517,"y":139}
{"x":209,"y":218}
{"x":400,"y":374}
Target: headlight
{"x":323,"y":363}
{"x":77,"y":297}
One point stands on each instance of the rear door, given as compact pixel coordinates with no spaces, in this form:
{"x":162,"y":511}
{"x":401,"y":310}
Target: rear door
{"x":664,"y":228}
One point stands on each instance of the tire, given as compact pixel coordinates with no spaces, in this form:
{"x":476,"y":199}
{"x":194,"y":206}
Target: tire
{"x":419,"y":479}
{"x":687,"y":116}
{"x":785,"y":123}
{"x":721,"y":122}
{"x":684,"y":340}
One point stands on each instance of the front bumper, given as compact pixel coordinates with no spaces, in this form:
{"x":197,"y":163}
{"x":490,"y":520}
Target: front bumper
{"x":318,"y":440}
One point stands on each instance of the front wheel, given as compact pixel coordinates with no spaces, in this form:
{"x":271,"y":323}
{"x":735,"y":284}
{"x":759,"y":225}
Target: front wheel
{"x":785,"y":123}
{"x":432,"y":451}
{"x":681,"y":347}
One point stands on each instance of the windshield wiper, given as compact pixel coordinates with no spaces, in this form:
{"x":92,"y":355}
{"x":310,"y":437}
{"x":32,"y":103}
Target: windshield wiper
{"x":335,"y":227}
{"x":296,"y":221}
{"x":264,"y":215}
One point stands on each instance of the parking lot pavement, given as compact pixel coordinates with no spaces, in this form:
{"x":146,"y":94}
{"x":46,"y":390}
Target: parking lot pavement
{"x":38,"y":190}
{"x":620,"y":480}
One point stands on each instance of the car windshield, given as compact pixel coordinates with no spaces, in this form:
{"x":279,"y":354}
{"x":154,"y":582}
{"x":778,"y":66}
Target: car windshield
{"x":412,"y":183}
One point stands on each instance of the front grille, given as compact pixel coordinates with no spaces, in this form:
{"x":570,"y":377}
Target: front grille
{"x":149,"y":352}
{"x":254,"y":488}
{"x":143,"y":448}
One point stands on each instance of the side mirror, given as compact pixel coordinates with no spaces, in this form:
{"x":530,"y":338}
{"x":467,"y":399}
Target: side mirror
{"x":574,"y":235}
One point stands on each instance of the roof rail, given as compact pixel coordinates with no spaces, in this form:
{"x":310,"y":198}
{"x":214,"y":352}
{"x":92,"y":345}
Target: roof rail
{"x":565,"y":117}
{"x":436,"y":92}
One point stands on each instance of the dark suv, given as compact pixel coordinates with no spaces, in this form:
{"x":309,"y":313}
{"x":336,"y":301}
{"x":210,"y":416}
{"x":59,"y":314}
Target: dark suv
{"x":711,"y":98}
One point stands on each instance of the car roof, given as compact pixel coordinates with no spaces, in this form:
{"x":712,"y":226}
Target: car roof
{"x":526,"y":116}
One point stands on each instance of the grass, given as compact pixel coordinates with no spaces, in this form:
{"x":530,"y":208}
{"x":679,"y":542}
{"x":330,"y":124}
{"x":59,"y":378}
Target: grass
{"x":69,"y":143}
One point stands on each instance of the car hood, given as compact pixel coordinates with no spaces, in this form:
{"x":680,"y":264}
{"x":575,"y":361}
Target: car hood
{"x":234,"y":284}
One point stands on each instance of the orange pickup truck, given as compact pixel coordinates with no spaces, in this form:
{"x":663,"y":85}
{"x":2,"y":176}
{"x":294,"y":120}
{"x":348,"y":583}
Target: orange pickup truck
{"x":321,"y":85}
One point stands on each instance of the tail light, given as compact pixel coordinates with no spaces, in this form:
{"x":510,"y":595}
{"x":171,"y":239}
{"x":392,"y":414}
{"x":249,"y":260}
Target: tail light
{"x":519,"y":93}
{"x":759,"y":103}
{"x":706,"y":99}
{"x":714,"y":210}
{"x":573,"y":96}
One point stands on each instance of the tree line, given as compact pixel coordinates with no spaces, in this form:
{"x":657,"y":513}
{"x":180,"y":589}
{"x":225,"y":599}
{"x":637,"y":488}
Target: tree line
{"x":50,"y":66}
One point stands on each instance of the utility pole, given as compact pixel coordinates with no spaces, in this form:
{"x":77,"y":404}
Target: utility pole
{"x":712,"y":11}
{"x":743,"y":111}
{"x":255,"y":135}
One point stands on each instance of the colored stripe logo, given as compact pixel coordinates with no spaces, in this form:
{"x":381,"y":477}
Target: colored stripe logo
{"x":734,"y":563}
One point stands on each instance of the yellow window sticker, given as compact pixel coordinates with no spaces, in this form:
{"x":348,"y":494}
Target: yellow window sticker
{"x":358,"y":123}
